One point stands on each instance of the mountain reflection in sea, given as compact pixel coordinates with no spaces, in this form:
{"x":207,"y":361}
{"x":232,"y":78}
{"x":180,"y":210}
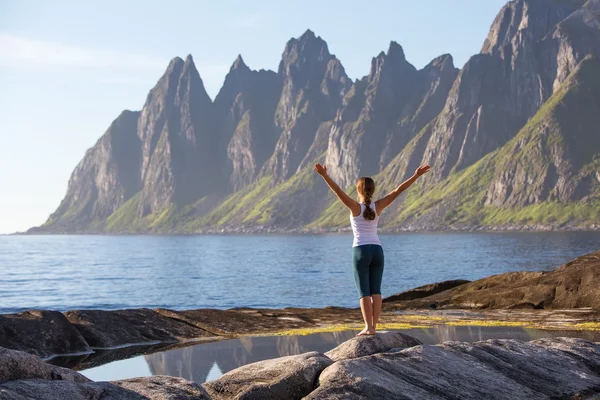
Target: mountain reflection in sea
{"x":208,"y":361}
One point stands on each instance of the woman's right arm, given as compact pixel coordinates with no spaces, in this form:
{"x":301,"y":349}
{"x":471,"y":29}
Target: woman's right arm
{"x":382,"y":203}
{"x":343,"y":196}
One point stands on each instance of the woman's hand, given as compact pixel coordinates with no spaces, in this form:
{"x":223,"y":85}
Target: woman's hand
{"x":321,"y":169}
{"x":422,"y":170}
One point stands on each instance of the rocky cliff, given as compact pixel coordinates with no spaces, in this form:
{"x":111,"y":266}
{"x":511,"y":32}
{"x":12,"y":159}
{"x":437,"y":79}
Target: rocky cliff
{"x":512,"y":138}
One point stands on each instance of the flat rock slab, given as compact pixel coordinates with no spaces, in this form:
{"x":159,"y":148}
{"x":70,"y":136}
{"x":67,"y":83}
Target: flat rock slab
{"x":329,"y":315}
{"x":284,"y":378}
{"x":62,"y":390}
{"x":16,"y":364}
{"x":153,"y":388}
{"x":238,"y":321}
{"x":426,"y":290}
{"x":361,"y":346}
{"x":571,"y":286}
{"x":106,"y":329}
{"x":492,"y":369}
{"x":43,"y":333}
{"x":164,"y":387}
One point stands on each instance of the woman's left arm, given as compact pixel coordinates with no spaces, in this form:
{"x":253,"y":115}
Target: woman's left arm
{"x":348,"y":201}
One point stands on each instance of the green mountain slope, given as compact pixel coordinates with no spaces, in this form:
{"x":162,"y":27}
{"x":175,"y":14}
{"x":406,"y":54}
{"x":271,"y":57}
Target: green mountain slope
{"x":528,"y":182}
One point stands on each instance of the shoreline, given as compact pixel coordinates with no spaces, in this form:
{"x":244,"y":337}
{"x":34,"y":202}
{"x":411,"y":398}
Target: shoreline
{"x":312,"y":231}
{"x":566,"y":298}
{"x":88,"y":331}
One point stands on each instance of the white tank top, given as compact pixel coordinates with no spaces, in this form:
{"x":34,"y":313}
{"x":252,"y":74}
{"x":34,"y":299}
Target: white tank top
{"x":365,"y":231}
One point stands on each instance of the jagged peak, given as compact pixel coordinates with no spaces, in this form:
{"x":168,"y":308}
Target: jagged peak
{"x":239,"y":64}
{"x":308,"y":40}
{"x":396,"y":51}
{"x":175,"y":61}
{"x":189,"y":68}
{"x":445,"y":60}
{"x":308,"y":35}
{"x":537,"y":17}
{"x":189,"y":64}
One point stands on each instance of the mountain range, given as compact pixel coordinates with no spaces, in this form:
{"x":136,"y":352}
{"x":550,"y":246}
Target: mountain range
{"x":513,"y":139}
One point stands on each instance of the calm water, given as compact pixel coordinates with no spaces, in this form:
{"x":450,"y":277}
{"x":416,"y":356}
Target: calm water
{"x":224,"y":271}
{"x":205,"y":362}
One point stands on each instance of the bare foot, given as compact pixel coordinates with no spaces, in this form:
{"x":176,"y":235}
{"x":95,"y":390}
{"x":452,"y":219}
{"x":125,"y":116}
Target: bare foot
{"x":362,"y":333}
{"x":366,"y":332}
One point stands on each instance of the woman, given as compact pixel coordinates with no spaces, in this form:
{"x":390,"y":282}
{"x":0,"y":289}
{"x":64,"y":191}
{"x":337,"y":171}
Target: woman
{"x":367,"y":253}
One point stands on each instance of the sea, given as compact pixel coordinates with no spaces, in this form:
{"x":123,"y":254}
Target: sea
{"x":75,"y":272}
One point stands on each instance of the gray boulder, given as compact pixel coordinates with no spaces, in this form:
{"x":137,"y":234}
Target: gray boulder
{"x":106,"y":329}
{"x":43,"y":333}
{"x":61,"y":390}
{"x":361,"y":346}
{"x":286,"y":378}
{"x":492,"y":369}
{"x":25,"y":376}
{"x":164,"y":387}
{"x":16,"y":364}
{"x":153,"y":388}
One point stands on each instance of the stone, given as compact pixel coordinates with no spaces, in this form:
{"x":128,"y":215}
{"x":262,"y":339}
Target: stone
{"x":573,"y":285}
{"x":426,"y":290}
{"x":61,"y":390}
{"x":106,"y":329}
{"x":284,"y":378}
{"x":237,"y":321}
{"x":25,"y":376}
{"x":492,"y":369}
{"x":268,"y":128}
{"x":164,"y":387}
{"x":18,"y":365}
{"x":361,"y":346}
{"x":43,"y":333}
{"x":152,"y":388}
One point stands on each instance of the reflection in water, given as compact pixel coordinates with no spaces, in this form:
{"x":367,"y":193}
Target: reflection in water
{"x":208,"y":361}
{"x":200,"y":363}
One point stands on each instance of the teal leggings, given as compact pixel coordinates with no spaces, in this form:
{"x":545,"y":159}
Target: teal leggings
{"x":368,"y":268}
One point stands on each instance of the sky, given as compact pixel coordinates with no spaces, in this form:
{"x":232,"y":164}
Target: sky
{"x":69,"y":67}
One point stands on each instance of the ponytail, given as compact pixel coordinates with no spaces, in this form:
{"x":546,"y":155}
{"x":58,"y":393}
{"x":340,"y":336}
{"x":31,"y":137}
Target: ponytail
{"x":366,"y":187}
{"x":369,"y":214}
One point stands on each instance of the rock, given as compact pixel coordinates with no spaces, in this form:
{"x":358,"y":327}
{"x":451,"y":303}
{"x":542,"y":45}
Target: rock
{"x":17,"y":365}
{"x":245,"y":111}
{"x":237,"y":321}
{"x":282,"y":378}
{"x":573,"y":285}
{"x":105,"y":329}
{"x":383,"y":111}
{"x":108,"y":175}
{"x":426,"y":290}
{"x":24,"y":376}
{"x":152,"y":388}
{"x":361,"y":346}
{"x":61,"y":390}
{"x":164,"y":387}
{"x":559,"y":172}
{"x":43,"y":333}
{"x":187,"y":164}
{"x":313,"y":84}
{"x":492,"y":369}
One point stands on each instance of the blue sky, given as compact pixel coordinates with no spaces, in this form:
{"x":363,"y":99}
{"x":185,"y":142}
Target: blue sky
{"x":69,"y":67}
